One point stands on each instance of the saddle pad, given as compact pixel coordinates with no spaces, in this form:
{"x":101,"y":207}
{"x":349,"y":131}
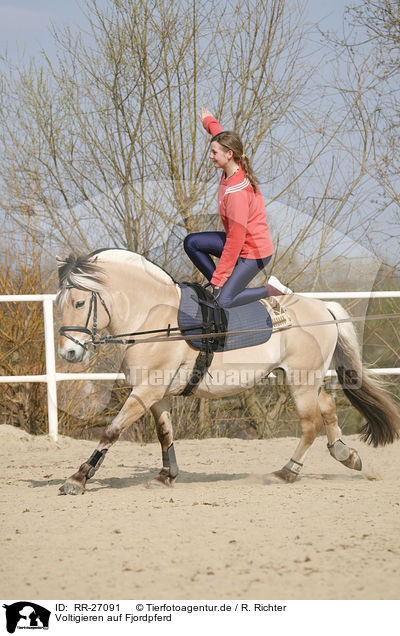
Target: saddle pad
{"x":244,"y":318}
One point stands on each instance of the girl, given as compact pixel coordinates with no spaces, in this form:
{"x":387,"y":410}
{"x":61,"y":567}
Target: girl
{"x":245,"y":248}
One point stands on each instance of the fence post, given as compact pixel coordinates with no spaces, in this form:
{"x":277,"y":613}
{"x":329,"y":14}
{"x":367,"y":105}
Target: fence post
{"x":50,"y":367}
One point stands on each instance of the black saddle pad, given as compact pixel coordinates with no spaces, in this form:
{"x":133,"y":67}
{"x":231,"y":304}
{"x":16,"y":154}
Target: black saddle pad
{"x":240,"y":319}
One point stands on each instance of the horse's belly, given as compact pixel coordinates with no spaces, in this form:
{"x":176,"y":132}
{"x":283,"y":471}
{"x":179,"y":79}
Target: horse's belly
{"x":234,"y":371}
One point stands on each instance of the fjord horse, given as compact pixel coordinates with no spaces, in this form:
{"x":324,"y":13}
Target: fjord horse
{"x":123,"y":292}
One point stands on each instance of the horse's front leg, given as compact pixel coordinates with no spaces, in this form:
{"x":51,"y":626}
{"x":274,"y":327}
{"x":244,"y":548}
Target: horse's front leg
{"x":169,"y":471}
{"x":135,"y":406}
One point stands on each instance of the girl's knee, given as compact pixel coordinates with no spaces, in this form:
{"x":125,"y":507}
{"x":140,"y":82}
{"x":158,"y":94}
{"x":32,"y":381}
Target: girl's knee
{"x":224,"y":301}
{"x":189,"y":243}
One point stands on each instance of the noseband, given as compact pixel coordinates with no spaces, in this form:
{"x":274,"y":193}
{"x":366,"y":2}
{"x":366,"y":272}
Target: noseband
{"x":92,"y":333}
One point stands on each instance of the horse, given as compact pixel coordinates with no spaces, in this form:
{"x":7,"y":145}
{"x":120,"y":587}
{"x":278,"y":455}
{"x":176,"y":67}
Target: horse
{"x":122,"y":292}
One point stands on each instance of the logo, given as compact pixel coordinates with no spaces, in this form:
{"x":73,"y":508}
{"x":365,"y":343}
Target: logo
{"x":26,"y":615}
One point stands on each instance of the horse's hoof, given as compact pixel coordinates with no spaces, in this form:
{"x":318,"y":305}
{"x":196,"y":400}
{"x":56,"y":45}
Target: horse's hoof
{"x":353,"y":461}
{"x":283,"y":476}
{"x":72,"y":488}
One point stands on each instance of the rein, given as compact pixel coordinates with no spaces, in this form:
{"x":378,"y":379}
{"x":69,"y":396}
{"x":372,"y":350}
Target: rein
{"x":126,"y":338}
{"x":130,"y":338}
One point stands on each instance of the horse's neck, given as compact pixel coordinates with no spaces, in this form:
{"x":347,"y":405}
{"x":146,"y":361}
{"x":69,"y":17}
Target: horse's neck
{"x":140,"y":300}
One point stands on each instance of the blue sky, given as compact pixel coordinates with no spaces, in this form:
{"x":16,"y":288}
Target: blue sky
{"x":24,"y":24}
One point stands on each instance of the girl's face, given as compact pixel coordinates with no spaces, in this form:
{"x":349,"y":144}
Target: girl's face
{"x":219,"y":156}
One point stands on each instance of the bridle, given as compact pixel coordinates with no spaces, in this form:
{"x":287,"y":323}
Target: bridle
{"x":93,"y":332}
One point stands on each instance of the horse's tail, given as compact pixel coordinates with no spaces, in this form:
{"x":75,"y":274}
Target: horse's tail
{"x":366,"y":393}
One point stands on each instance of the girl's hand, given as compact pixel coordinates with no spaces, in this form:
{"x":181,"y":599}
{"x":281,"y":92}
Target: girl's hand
{"x":204,"y":113}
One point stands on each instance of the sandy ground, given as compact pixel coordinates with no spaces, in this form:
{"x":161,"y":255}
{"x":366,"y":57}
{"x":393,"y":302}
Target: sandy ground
{"x":220,"y":533}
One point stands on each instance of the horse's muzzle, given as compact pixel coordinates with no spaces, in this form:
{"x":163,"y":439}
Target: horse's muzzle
{"x":73,"y":352}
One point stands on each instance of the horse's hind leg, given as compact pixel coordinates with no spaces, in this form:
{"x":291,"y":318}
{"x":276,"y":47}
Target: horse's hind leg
{"x":306,"y":399}
{"x":169,"y":471}
{"x":338,"y":449}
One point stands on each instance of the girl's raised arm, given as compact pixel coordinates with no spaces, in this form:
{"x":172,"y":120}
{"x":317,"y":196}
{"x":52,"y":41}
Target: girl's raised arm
{"x":212,"y":126}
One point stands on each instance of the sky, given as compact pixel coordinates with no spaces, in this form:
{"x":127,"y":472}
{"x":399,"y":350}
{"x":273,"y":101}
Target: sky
{"x":25,"y":24}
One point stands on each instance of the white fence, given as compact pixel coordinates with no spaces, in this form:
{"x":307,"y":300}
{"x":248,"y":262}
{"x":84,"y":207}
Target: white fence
{"x":52,"y":377}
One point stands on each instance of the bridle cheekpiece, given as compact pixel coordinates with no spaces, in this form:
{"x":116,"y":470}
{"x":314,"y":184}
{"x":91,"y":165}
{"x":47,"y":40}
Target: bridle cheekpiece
{"x":93,"y":332}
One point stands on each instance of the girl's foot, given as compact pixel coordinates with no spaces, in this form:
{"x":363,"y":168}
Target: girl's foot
{"x":276,"y":285}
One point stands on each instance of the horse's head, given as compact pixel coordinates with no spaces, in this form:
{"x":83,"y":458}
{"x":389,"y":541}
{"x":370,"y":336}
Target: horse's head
{"x":84,"y":311}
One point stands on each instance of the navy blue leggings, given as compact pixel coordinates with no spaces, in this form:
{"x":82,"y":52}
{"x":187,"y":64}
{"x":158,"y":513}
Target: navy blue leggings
{"x":200,"y":245}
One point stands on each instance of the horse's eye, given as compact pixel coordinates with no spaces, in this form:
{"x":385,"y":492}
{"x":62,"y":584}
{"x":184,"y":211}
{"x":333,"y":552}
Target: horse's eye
{"x":79,"y":304}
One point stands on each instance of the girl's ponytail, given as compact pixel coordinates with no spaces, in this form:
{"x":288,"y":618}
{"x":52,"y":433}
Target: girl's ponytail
{"x":248,"y":171}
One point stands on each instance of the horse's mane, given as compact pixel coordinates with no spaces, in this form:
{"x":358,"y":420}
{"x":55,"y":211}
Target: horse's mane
{"x":83,"y":272}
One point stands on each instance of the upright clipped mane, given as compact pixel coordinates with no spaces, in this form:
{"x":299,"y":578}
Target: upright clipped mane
{"x":83,"y":272}
{"x":80,"y":272}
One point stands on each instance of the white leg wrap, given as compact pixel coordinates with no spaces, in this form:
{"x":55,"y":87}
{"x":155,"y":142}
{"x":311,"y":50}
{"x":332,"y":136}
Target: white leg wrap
{"x":339,"y":450}
{"x":293,"y":466}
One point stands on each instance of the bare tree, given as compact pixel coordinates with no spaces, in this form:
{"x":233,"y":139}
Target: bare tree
{"x":103,"y":144}
{"x":370,"y":52}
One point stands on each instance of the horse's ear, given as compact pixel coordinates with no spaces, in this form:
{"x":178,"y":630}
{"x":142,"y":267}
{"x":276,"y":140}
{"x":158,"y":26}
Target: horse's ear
{"x":60,"y":261}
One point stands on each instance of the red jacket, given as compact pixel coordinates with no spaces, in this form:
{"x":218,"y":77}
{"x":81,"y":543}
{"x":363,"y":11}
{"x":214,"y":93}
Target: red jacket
{"x":243,"y":216}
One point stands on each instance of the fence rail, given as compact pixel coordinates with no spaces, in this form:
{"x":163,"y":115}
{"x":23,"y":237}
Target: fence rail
{"x":51,"y":377}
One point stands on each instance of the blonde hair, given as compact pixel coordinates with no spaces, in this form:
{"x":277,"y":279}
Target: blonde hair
{"x":229,"y":140}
